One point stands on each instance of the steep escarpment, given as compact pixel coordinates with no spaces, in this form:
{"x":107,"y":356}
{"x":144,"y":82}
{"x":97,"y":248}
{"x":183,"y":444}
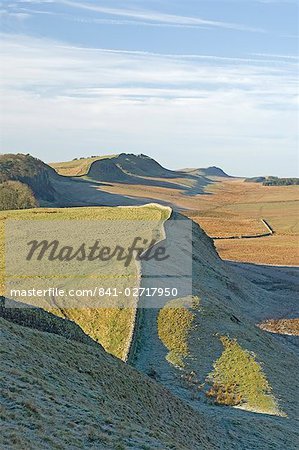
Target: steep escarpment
{"x":210,"y":352}
{"x":134,"y":169}
{"x":51,"y":189}
{"x":144,"y":166}
{"x":31,"y":171}
{"x":108,"y":170}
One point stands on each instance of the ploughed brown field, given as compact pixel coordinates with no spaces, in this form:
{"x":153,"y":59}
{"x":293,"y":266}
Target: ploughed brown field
{"x":232,"y":207}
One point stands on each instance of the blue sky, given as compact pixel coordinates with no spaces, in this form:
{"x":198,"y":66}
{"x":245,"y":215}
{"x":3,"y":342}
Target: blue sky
{"x":191,"y":83}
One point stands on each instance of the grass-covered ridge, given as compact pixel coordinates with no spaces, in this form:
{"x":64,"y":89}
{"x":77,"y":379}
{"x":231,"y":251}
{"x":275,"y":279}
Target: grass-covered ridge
{"x":238,"y":380}
{"x":112,"y":327}
{"x":78,"y":166}
{"x":174,"y":324}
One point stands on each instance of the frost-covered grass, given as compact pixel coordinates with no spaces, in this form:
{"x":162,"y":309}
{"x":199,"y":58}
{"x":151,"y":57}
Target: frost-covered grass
{"x":57,"y":393}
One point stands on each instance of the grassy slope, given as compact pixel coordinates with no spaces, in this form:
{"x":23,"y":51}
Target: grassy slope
{"x":229,"y":306}
{"x":238,"y":379}
{"x":174,"y":324}
{"x":62,"y":394}
{"x":217,"y":317}
{"x":112,"y":327}
{"x":78,"y":167}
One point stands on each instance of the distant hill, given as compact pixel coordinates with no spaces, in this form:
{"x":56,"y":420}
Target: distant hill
{"x":273,"y":181}
{"x":137,"y":165}
{"x":79,"y":182}
{"x":144,"y":166}
{"x":255,"y":180}
{"x":131,"y":169}
{"x":134,"y":169}
{"x":208,"y":172}
{"x":48,"y":187}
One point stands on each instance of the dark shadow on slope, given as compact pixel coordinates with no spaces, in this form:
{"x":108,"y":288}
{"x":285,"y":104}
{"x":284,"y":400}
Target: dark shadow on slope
{"x":41,"y":320}
{"x":108,"y":170}
{"x":127,"y":169}
{"x":70,"y":193}
{"x":199,"y":187}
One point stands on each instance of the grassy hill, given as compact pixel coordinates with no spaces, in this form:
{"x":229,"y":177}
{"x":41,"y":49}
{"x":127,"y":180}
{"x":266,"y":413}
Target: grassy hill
{"x":59,"y":393}
{"x":112,"y":327}
{"x":78,"y":166}
{"x":138,"y":165}
{"x":84,"y":181}
{"x":208,"y":349}
{"x":212,"y":171}
{"x":129,"y":163}
{"x":132,"y":170}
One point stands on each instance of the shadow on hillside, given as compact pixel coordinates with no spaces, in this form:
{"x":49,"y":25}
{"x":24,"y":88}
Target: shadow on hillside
{"x":72,"y":193}
{"x":198,"y":188}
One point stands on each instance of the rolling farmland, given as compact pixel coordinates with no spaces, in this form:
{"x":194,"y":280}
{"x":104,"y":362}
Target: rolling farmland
{"x":234,"y":208}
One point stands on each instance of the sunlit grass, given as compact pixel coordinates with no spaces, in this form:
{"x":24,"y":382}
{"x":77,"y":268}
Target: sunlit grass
{"x":112,"y":327}
{"x":77,"y":167}
{"x":174,"y":324}
{"x":238,"y":379}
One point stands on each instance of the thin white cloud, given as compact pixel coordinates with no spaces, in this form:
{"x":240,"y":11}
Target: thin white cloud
{"x":4,"y":13}
{"x":149,"y":16}
{"x":271,"y":55}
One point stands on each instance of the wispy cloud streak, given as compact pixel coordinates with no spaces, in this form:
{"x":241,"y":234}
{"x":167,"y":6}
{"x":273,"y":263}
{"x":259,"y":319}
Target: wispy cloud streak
{"x":148,"y":16}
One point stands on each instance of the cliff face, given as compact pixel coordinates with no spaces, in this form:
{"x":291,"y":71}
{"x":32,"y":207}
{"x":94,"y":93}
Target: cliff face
{"x":41,"y":184}
{"x":108,"y":170}
{"x":31,"y":171}
{"x":143,"y":165}
{"x":125,"y":167}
